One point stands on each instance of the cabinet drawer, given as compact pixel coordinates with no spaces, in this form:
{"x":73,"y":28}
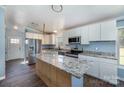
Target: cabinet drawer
{"x":82,"y":57}
{"x":111,"y":61}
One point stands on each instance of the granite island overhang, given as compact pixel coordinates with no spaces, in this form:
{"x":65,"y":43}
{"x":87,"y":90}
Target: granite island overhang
{"x":57,"y":70}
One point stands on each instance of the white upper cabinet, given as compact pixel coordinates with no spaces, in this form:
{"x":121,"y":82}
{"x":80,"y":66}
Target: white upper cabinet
{"x":75,"y":32}
{"x":108,"y":30}
{"x":49,"y":39}
{"x":104,"y":31}
{"x":71,"y":33}
{"x":84,"y":31}
{"x":34,"y":35}
{"x":45,"y":39}
{"x":81,"y":31}
{"x":94,"y":32}
{"x":52,"y":39}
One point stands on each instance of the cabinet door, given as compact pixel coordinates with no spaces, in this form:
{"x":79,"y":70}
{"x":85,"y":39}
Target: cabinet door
{"x":108,"y":72}
{"x":71,"y":33}
{"x":59,"y":41}
{"x":94,"y":32}
{"x":52,"y":39}
{"x":108,"y":30}
{"x":40,"y":36}
{"x":76,"y":32}
{"x":82,"y":57}
{"x":84,"y":35}
{"x":45,"y":39}
{"x":52,"y":76}
{"x":63,"y":79}
{"x":93,"y":69}
{"x":66,"y":36}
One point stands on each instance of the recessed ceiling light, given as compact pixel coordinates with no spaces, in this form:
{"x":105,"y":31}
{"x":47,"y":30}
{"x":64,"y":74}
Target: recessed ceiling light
{"x":55,"y":31}
{"x":15,"y":27}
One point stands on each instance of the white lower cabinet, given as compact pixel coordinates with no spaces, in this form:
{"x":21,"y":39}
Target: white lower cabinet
{"x":93,"y":69}
{"x":108,"y":72}
{"x":93,"y":65}
{"x":102,"y":68}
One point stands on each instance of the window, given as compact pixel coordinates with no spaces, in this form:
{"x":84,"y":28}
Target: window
{"x":14,"y":41}
{"x":121,"y":46}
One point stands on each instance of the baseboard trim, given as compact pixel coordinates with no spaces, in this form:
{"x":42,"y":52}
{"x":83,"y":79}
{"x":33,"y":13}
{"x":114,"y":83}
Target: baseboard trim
{"x":14,"y":59}
{"x":1,"y":78}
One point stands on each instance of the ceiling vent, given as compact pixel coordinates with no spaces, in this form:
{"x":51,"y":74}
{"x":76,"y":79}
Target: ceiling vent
{"x":57,"y":8}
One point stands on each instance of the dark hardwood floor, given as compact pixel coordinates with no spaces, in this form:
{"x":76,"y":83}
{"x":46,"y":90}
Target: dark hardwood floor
{"x":19,"y":74}
{"x":90,"y":81}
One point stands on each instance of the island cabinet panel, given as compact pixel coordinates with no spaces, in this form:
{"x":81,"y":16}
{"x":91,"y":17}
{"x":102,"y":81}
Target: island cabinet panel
{"x":52,"y":76}
{"x":43,"y":71}
{"x":63,"y":78}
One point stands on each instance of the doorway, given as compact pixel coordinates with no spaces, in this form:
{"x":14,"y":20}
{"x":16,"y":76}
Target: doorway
{"x":14,"y":48}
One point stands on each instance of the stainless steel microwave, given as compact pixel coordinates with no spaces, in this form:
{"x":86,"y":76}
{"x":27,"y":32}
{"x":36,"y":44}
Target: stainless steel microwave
{"x":74,"y":39}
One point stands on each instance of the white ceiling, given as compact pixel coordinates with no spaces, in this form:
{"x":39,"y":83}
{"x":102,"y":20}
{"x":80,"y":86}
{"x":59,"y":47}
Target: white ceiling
{"x":71,"y":16}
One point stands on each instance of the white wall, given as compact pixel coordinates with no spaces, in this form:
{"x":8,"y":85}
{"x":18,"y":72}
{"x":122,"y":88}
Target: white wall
{"x":2,"y":44}
{"x":11,"y":33}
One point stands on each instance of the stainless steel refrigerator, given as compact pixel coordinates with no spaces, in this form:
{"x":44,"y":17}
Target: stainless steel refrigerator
{"x":33,"y":47}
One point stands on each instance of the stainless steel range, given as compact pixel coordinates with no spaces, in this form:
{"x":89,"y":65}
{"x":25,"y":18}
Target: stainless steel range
{"x":73,"y":53}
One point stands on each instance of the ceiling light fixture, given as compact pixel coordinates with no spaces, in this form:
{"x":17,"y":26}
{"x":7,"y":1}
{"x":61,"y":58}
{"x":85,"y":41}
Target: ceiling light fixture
{"x":15,"y":27}
{"x":55,"y":31}
{"x":57,"y":8}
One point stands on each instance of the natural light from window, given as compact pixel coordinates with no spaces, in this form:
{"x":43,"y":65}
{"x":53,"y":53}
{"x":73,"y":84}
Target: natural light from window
{"x":14,"y":41}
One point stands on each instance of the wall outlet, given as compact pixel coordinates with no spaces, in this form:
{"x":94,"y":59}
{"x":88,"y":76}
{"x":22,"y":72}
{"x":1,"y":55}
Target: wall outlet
{"x":96,"y":48}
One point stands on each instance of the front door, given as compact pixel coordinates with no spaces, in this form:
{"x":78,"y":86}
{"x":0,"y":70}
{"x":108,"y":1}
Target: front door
{"x":14,"y":49}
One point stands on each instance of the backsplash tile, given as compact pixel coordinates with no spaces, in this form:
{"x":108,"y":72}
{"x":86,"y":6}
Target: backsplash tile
{"x":97,"y":46}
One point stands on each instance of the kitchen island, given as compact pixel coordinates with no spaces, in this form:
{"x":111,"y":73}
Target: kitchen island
{"x":57,"y":70}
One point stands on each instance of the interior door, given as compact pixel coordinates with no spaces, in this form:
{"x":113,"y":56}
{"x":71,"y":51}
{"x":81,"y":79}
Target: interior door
{"x":13,"y":48}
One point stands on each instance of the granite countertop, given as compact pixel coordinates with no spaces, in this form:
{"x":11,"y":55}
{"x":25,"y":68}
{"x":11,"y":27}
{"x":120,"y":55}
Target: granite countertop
{"x":95,"y":54}
{"x":92,"y":54}
{"x":100,"y":55}
{"x":68,"y":64}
